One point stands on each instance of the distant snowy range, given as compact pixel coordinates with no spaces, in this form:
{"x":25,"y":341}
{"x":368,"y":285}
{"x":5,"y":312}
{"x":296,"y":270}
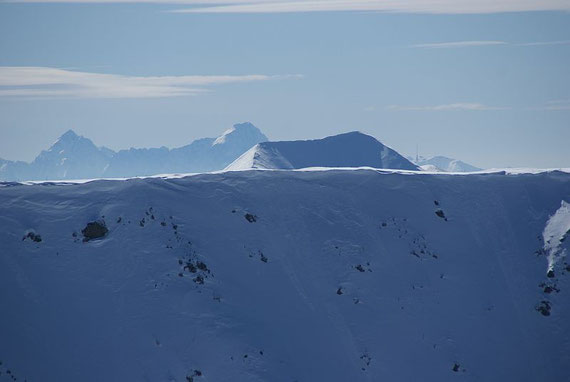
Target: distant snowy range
{"x":239,"y":259}
{"x":76,"y":157}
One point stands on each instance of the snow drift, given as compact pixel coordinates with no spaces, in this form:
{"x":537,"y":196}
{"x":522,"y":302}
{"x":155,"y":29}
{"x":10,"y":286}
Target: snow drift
{"x":338,"y":275}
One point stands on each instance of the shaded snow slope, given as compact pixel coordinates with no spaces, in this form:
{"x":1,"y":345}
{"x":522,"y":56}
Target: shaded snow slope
{"x":76,"y":157}
{"x":339,"y":275}
{"x":352,"y":149}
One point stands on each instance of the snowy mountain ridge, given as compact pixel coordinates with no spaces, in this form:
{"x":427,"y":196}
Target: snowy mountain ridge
{"x":340,"y":275}
{"x":445,"y":164}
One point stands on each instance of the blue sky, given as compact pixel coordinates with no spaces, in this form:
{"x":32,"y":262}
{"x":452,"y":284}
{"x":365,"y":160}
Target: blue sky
{"x":490,"y":88}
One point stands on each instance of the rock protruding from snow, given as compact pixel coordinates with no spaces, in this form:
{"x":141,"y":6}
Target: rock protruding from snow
{"x":352,"y":149}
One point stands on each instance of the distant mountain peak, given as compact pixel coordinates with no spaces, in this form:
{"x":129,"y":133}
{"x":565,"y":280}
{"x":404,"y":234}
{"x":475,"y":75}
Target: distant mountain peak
{"x":69,"y":139}
{"x":246,"y":130}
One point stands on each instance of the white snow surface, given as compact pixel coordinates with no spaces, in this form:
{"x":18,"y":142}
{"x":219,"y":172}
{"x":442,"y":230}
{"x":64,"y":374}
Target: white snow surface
{"x":312,"y":275}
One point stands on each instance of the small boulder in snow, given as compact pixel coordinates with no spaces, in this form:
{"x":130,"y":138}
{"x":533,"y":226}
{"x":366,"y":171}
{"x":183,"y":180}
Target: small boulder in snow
{"x":94,"y":230}
{"x":32,"y":236}
{"x":250,"y":218}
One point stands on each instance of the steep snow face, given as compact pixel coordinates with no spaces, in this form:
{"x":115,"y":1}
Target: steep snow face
{"x":76,"y":157}
{"x":345,"y":150}
{"x":448,"y":164}
{"x":338,"y":275}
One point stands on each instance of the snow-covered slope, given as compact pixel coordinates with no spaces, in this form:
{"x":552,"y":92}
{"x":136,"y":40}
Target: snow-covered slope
{"x":352,"y":149}
{"x":338,"y":275}
{"x":76,"y":157}
{"x":448,"y":164}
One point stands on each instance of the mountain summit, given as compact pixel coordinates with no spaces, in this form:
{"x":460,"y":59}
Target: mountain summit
{"x":353,"y":149}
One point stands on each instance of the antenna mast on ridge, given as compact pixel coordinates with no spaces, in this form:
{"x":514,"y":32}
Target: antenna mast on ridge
{"x":417,"y":154}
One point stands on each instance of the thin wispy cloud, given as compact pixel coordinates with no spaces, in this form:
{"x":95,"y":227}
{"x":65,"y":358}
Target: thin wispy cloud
{"x":541,"y":43}
{"x":458,"y":44}
{"x":467,"y":44}
{"x":43,"y":82}
{"x":563,"y":104}
{"x":403,"y":6}
{"x":184,"y":2}
{"x":447,"y":107}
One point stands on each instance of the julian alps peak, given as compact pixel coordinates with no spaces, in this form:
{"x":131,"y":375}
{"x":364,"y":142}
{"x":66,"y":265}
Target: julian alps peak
{"x":71,"y":141}
{"x":70,"y":157}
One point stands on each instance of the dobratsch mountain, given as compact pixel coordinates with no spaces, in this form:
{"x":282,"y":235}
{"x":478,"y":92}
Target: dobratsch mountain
{"x":352,"y":149}
{"x":76,"y":157}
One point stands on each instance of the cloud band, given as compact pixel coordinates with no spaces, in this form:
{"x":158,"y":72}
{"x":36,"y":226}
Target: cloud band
{"x":53,"y":82}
